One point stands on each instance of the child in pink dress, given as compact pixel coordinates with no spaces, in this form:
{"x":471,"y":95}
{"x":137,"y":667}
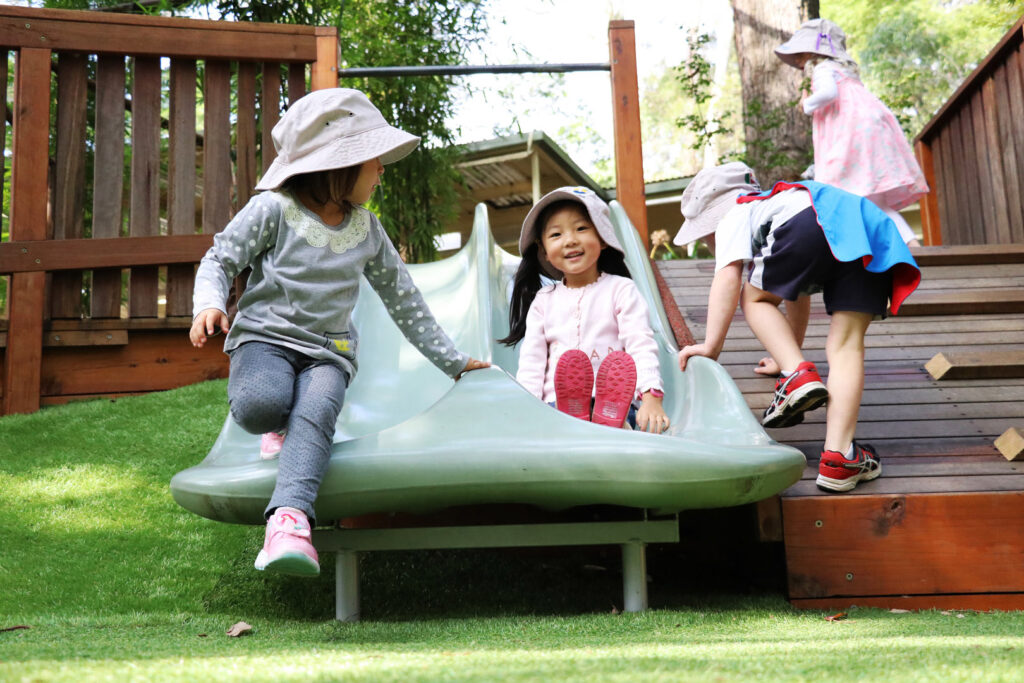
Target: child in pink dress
{"x":591,"y":321}
{"x":858,"y":144}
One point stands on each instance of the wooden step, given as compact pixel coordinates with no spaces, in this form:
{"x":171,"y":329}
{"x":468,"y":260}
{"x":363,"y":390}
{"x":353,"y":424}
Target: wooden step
{"x":968,"y":254}
{"x":1001,"y":364}
{"x":968,"y":301}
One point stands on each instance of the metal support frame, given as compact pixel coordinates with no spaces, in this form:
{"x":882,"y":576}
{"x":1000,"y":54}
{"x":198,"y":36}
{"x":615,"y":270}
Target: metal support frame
{"x":633,"y":538}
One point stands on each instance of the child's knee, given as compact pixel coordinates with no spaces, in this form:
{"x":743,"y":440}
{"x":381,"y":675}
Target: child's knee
{"x":258,"y":414}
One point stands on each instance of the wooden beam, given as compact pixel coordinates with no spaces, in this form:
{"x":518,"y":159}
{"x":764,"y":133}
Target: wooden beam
{"x":629,"y":159}
{"x":976,"y":365}
{"x":47,"y":256}
{"x":325,"y":68}
{"x":29,"y":170}
{"x":931,"y":226}
{"x":1011,"y":444}
{"x":964,"y":302}
{"x":891,"y":545}
{"x":79,"y":338}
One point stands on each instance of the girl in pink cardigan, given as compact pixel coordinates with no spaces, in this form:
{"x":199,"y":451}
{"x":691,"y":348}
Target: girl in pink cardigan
{"x":591,"y":321}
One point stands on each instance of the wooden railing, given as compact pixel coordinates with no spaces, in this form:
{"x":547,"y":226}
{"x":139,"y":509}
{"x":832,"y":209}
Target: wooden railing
{"x":972,"y":153}
{"x":161,"y":127}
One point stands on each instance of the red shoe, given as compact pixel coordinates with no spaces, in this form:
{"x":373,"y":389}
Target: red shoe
{"x":614,"y":389}
{"x":574,"y":384}
{"x":795,"y":395}
{"x":836,"y":473}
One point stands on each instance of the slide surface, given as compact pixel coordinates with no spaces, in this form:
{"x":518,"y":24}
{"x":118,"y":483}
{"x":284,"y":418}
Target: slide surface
{"x":410,"y":440}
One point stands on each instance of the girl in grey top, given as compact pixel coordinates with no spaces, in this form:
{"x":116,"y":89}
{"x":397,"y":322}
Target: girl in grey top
{"x":292,"y":344}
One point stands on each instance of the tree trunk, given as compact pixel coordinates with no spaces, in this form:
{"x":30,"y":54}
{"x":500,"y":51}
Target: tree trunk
{"x":778,"y":133}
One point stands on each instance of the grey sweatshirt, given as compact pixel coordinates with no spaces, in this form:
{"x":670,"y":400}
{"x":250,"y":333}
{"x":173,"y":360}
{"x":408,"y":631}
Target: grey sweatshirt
{"x":305,"y":282}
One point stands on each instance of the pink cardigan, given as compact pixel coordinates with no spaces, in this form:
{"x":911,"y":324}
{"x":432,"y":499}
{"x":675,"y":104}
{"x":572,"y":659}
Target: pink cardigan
{"x":608,"y":315}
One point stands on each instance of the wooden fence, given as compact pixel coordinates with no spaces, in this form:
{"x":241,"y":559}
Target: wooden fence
{"x":116,"y":189}
{"x":972,"y":153}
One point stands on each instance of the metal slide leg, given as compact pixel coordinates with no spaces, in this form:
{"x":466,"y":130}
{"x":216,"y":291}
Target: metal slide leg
{"x":634,"y":577}
{"x":346,"y":573}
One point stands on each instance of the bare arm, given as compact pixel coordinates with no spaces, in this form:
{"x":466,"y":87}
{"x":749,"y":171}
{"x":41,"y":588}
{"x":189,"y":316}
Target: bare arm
{"x":722,"y":302}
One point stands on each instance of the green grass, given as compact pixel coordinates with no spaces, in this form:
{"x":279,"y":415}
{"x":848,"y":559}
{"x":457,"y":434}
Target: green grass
{"x":116,"y":582}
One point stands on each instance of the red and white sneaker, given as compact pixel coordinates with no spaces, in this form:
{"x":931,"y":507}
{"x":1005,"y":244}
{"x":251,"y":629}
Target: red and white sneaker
{"x":270,"y":445}
{"x":574,"y":384}
{"x":795,"y":395}
{"x":614,"y":389}
{"x":836,"y":473}
{"x":287,"y":548}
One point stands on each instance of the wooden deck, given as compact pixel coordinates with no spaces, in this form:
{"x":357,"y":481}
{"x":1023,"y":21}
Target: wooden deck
{"x":941,"y":526}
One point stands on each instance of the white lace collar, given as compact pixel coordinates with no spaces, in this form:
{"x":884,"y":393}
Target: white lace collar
{"x":352,"y":231}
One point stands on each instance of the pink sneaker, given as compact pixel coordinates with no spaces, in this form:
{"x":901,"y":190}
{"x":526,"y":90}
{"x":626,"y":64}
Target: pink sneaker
{"x":270,"y":445}
{"x":286,"y":547}
{"x":574,"y":384}
{"x":615,"y":387}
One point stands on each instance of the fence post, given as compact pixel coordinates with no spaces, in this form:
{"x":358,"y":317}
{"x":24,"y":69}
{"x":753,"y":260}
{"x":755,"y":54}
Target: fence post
{"x":27,"y":295}
{"x":629,"y":158}
{"x":931,"y":227}
{"x":325,"y":68}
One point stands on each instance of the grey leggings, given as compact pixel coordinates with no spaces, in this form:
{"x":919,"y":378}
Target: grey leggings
{"x":271,"y":388}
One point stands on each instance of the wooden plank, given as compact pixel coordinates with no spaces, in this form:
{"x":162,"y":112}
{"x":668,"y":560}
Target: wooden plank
{"x":78,"y":31}
{"x":975,"y":364}
{"x":181,"y":180}
{"x":47,"y":255}
{"x":930,"y":221}
{"x":69,"y":177}
{"x":904,"y":545}
{"x":1005,"y":146}
{"x":144,"y":219}
{"x":943,"y":162}
{"x":177,"y":323}
{"x":905,"y":429}
{"x":296,"y":81}
{"x":919,"y":447}
{"x":914,"y":485}
{"x":966,"y":201}
{"x":1011,"y":444}
{"x":29,"y":172}
{"x":217,"y":199}
{"x":80,"y":338}
{"x":245,"y":135}
{"x":769,"y":520}
{"x":1015,"y":93}
{"x":325,"y":66}
{"x":151,"y":361}
{"x":629,"y":163}
{"x":976,"y":602}
{"x":989,"y":233}
{"x":108,"y":178}
{"x":972,"y":301}
{"x":907,"y":467}
{"x":270,"y":111}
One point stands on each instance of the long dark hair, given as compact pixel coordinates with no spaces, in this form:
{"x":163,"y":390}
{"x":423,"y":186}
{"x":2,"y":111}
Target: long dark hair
{"x":332,"y":186}
{"x":527,"y":282}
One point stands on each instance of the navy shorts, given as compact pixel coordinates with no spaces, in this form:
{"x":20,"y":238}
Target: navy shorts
{"x":796,"y":259}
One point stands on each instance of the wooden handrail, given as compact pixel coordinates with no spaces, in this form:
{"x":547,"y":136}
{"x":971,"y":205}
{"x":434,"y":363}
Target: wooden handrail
{"x":28,"y":256}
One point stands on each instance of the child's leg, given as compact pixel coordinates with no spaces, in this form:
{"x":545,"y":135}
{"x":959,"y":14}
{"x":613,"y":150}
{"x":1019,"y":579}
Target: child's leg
{"x":319,"y":394}
{"x":771,"y":326}
{"x":845,"y":352}
{"x":261,"y":386}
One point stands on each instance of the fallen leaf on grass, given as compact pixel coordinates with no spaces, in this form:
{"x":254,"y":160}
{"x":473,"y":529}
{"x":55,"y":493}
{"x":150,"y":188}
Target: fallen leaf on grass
{"x":896,"y":610}
{"x":239,"y":629}
{"x":202,"y":635}
{"x":836,"y":617}
{"x":14,"y":628}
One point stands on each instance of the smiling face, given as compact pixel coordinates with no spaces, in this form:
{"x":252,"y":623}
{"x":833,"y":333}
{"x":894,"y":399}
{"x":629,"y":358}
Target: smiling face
{"x":368,"y":180}
{"x":572,"y":245}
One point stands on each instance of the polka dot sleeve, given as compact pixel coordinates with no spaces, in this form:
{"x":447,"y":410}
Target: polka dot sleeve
{"x":250,"y":233}
{"x":388,"y":275}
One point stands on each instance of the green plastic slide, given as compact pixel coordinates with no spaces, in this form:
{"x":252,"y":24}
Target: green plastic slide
{"x":410,"y":440}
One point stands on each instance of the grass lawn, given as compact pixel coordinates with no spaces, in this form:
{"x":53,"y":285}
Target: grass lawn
{"x":116,"y":582}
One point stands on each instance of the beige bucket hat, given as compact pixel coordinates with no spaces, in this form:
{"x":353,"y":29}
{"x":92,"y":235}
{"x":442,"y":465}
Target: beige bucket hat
{"x":597,"y":209}
{"x":710,"y":195}
{"x":332,"y":128}
{"x":817,"y":36}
